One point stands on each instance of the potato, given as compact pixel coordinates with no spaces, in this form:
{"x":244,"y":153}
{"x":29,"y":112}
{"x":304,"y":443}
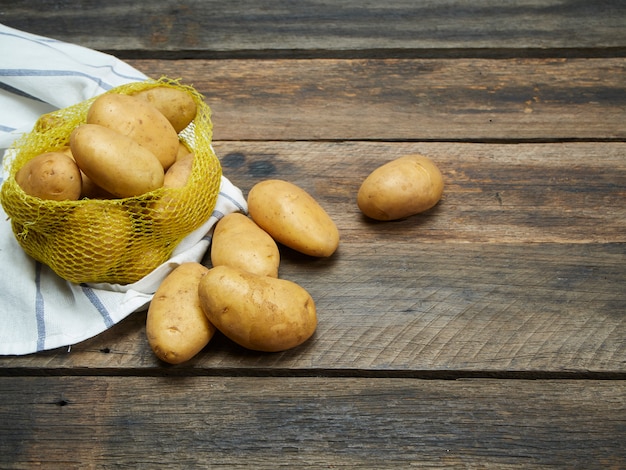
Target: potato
{"x":103,"y":232}
{"x":260,"y":313}
{"x":115,"y":162}
{"x":176,"y":326}
{"x":49,"y":121}
{"x":293,"y":217}
{"x":241,"y":243}
{"x":183,"y":150}
{"x":176,"y":105}
{"x":401,"y":188}
{"x":51,"y":175}
{"x":175,"y":177}
{"x":90,"y":189}
{"x":178,"y":174}
{"x":139,"y":120}
{"x":142,"y":260}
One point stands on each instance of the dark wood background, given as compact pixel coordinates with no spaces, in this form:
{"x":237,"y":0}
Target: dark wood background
{"x":489,"y":332}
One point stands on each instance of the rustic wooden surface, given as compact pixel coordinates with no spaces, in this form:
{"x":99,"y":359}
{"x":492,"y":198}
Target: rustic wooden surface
{"x":269,"y":422}
{"x":211,"y":28}
{"x":489,"y":332}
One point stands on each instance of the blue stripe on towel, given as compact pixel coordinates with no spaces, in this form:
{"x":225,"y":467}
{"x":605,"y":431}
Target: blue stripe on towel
{"x":47,"y":42}
{"x":233,"y":200}
{"x":95,"y":301}
{"x":53,"y":73}
{"x":15,"y":91}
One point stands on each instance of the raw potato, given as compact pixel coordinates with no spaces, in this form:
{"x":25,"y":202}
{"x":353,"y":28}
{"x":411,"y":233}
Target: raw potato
{"x":183,"y":150}
{"x":176,"y":326}
{"x":401,"y":188}
{"x":52,"y":176}
{"x":90,"y":189}
{"x":176,"y":105}
{"x":48,"y":121}
{"x":115,"y":162}
{"x":143,"y":261}
{"x":103,"y":232}
{"x":241,"y":243}
{"x":178,"y":174}
{"x":293,"y":217}
{"x":175,"y":177}
{"x":257,"y":312}
{"x":139,"y":120}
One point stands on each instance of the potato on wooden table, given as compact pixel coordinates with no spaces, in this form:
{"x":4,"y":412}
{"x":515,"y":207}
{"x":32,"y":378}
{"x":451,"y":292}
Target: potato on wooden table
{"x":400,"y":188}
{"x":293,"y":217}
{"x":239,"y":242}
{"x":176,"y":326}
{"x":260,"y":313}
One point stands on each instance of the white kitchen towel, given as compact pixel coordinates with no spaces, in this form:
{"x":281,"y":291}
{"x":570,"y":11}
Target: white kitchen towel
{"x":38,"y":309}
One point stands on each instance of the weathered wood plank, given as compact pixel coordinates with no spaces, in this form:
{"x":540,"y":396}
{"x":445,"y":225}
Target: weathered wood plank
{"x":520,"y":268}
{"x":202,"y":422}
{"x":210,"y":28}
{"x":444,"y":311}
{"x":419,"y":99}
{"x":530,"y":193}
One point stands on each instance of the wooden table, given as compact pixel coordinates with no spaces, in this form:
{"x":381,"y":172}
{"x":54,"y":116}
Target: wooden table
{"x":489,"y":332}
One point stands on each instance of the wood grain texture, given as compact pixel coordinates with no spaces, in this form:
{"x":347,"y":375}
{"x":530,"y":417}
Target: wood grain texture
{"x":311,"y":27}
{"x":517,"y":274}
{"x":518,"y":270}
{"x":499,"y":311}
{"x":408,"y":99}
{"x":204,"y":422}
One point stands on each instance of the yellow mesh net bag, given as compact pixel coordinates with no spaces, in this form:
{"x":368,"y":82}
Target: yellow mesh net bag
{"x":116,"y":241}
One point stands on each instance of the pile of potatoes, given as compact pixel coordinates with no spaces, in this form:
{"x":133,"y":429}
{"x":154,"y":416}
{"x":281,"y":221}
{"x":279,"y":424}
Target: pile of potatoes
{"x":241,"y":295}
{"x":126,"y":148}
{"x":115,"y":181}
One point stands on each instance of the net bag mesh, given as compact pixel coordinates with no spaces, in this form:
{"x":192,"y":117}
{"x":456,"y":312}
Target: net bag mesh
{"x":116,"y":241}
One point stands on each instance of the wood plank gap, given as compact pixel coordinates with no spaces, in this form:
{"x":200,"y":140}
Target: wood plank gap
{"x":178,"y":371}
{"x":383,"y":53}
{"x":497,"y":141}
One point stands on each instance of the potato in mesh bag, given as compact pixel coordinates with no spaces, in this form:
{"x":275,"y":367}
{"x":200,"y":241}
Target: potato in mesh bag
{"x":117,"y":240}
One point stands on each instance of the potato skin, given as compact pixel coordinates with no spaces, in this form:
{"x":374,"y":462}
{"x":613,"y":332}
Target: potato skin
{"x":52,"y":176}
{"x":176,"y":105}
{"x":178,"y":174}
{"x":176,"y":326}
{"x":293,"y":217}
{"x":260,"y":313}
{"x":183,"y":150}
{"x":139,"y":120}
{"x":175,"y":177}
{"x":241,"y":243}
{"x":400,"y":188}
{"x":90,"y":189}
{"x":115,"y":162}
